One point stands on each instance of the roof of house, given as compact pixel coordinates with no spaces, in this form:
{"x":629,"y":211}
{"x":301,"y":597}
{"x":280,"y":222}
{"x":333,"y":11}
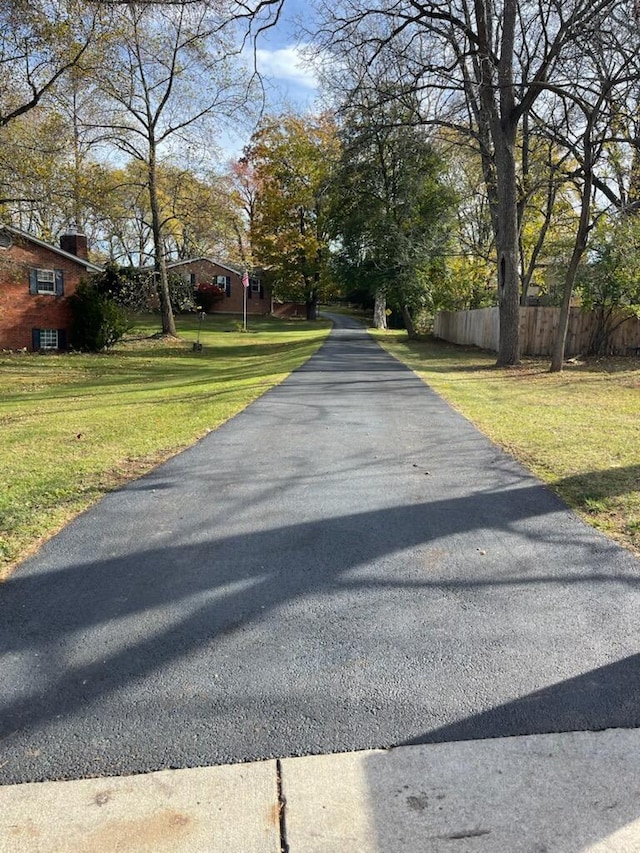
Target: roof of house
{"x":68,"y":255}
{"x":225,"y":265}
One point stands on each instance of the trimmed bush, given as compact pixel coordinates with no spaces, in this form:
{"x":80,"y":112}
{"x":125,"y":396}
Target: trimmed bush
{"x":97,"y":321}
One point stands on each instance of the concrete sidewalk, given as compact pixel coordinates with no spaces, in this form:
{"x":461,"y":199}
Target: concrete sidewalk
{"x":561,"y":793}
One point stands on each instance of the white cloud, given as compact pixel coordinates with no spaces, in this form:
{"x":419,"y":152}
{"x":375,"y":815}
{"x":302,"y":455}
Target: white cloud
{"x":287,"y":63}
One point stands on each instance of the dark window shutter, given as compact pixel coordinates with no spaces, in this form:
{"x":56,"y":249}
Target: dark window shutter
{"x":261,"y":290}
{"x":33,"y":282}
{"x":35,"y":339}
{"x":62,"y":338}
{"x":248,"y":289}
{"x":193,"y":279}
{"x":59,"y":275}
{"x":228,"y":286}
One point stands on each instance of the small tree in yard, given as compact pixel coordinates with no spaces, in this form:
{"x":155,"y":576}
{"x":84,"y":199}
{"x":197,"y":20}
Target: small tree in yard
{"x":97,"y":321}
{"x":610,"y":285}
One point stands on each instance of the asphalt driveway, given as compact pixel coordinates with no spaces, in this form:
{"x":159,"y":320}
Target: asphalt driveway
{"x":347,"y":564}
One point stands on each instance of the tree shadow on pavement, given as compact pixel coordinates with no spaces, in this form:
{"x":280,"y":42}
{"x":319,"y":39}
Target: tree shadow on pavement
{"x":563,"y":787}
{"x":163,"y":646}
{"x":218,"y":611}
{"x":606,"y":697}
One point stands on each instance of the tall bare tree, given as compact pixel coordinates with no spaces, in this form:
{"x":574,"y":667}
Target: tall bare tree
{"x":171,"y":70}
{"x":481,"y":66}
{"x":40,"y":40}
{"x":590,"y":117}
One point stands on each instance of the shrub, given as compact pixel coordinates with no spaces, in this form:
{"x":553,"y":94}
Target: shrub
{"x":130,"y":288}
{"x":181,"y":293}
{"x":97,"y":321}
{"x":609,"y":282}
{"x":207,"y":295}
{"x":136,"y":291}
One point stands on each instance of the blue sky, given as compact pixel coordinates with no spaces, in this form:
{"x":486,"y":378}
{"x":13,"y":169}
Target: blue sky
{"x":289,"y":79}
{"x":281,"y":62}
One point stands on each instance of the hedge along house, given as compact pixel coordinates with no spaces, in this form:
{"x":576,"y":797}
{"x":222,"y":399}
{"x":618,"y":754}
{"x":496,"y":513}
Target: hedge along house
{"x":36,"y":280}
{"x":228,"y":278}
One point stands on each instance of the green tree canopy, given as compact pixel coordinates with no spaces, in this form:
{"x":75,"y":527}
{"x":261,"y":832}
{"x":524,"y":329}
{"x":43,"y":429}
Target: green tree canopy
{"x":390,"y":212}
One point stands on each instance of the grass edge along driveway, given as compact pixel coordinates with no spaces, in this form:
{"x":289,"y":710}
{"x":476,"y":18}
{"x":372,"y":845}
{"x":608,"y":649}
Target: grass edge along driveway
{"x":578,"y":431}
{"x":75,"y":426}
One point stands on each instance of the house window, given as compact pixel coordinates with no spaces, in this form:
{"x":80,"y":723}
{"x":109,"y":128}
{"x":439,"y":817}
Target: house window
{"x":46,"y":281}
{"x":255,"y":285}
{"x":224,"y":283}
{"x":48,"y":339}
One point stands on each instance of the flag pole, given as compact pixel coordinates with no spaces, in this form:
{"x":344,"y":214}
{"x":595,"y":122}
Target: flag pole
{"x":245,"y":287}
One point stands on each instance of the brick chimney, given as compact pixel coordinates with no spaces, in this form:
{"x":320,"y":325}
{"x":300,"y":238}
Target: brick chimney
{"x":75,"y":244}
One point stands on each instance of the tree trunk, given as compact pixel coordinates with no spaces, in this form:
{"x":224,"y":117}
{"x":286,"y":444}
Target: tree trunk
{"x":312,"y":298}
{"x":597,"y":336}
{"x":380,"y":310}
{"x":579,"y":246}
{"x":560,"y":338}
{"x":168,"y":321}
{"x":408,"y":321}
{"x":507,"y":248}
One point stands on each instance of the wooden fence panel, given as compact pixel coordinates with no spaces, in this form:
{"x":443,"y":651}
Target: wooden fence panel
{"x":478,"y":328}
{"x":481,"y":327}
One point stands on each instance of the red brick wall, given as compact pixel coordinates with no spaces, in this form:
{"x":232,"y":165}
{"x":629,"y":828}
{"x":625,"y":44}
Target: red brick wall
{"x":206,"y":273}
{"x":20,"y":312}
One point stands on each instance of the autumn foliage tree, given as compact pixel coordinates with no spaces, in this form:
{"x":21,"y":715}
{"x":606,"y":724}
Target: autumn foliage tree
{"x":291,"y":157}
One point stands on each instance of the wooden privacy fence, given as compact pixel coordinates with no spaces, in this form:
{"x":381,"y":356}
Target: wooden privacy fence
{"x":480,"y":328}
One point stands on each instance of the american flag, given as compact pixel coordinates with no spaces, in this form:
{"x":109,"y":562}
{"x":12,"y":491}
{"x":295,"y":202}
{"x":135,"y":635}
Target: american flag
{"x":245,"y":279}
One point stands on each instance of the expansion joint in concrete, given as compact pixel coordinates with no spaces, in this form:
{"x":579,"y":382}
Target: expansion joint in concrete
{"x":282,"y":805}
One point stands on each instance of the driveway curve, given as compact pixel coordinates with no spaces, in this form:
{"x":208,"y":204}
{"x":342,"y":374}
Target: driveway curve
{"x":346,"y":564}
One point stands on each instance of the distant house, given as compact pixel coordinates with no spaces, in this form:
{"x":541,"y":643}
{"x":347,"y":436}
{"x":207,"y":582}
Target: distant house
{"x":36,"y":280}
{"x":228,"y":277}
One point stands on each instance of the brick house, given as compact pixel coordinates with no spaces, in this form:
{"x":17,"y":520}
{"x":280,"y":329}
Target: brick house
{"x":229,"y":278}
{"x":36,"y":280}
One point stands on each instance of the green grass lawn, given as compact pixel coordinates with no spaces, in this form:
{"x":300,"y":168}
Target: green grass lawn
{"x":579,"y":430}
{"x":75,"y":426}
